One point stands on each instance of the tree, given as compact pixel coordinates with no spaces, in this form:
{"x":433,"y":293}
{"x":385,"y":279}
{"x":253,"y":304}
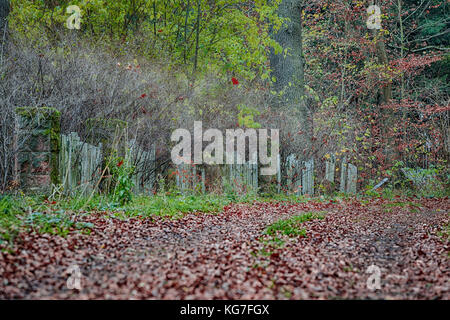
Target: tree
{"x":4,"y":11}
{"x":230,"y":37}
{"x":288,"y":67}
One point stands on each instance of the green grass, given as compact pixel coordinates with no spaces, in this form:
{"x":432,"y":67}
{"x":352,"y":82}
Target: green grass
{"x":9,"y":221}
{"x":275,"y":234}
{"x":401,"y":204}
{"x":34,"y":214}
{"x":172,"y":206}
{"x":56,"y":223}
{"x":412,"y":207}
{"x":56,"y":216}
{"x":292,"y":226}
{"x":280,"y":197}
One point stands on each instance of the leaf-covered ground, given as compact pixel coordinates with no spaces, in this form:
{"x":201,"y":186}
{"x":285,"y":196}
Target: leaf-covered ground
{"x":229,"y":256}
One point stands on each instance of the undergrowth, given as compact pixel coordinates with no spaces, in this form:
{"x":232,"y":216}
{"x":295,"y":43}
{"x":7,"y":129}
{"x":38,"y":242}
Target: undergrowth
{"x":57,"y":215}
{"x":291,"y":227}
{"x":276,"y":234}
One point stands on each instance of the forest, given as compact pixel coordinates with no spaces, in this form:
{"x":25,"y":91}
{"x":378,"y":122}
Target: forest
{"x":224,"y":149}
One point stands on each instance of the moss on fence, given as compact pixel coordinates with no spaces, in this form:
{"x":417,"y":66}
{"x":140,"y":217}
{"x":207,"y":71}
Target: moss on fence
{"x":34,"y":123}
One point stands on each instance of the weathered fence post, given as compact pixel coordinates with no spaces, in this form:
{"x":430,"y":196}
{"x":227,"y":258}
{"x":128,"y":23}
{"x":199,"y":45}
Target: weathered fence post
{"x":342,"y":185}
{"x":349,"y":177}
{"x":67,"y":159}
{"x":330,"y":168}
{"x":182,"y":178}
{"x":144,"y":172}
{"x":203,"y":180}
{"x":278,"y":173}
{"x":253,"y":171}
{"x":193,"y":178}
{"x":293,"y":172}
{"x":112,"y":135}
{"x":308,"y":177}
{"x":352,"y":178}
{"x":39,"y":142}
{"x":241,"y":173}
{"x":80,"y":164}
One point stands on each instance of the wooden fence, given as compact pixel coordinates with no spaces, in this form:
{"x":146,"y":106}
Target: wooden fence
{"x":81,"y":168}
{"x":81,"y":165}
{"x":298,"y":176}
{"x":348,"y":176}
{"x":238,"y":177}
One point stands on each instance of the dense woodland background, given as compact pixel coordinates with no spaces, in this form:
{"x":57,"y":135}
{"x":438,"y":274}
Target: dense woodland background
{"x":310,"y":68}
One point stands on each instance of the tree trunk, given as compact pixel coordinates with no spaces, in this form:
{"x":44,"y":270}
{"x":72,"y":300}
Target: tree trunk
{"x":386,"y":90}
{"x":199,"y":13}
{"x":4,"y":11}
{"x":287,"y":67}
{"x":383,"y":59}
{"x":386,"y":95}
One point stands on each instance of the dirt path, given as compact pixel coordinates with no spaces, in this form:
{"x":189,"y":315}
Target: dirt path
{"x":222,"y":256}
